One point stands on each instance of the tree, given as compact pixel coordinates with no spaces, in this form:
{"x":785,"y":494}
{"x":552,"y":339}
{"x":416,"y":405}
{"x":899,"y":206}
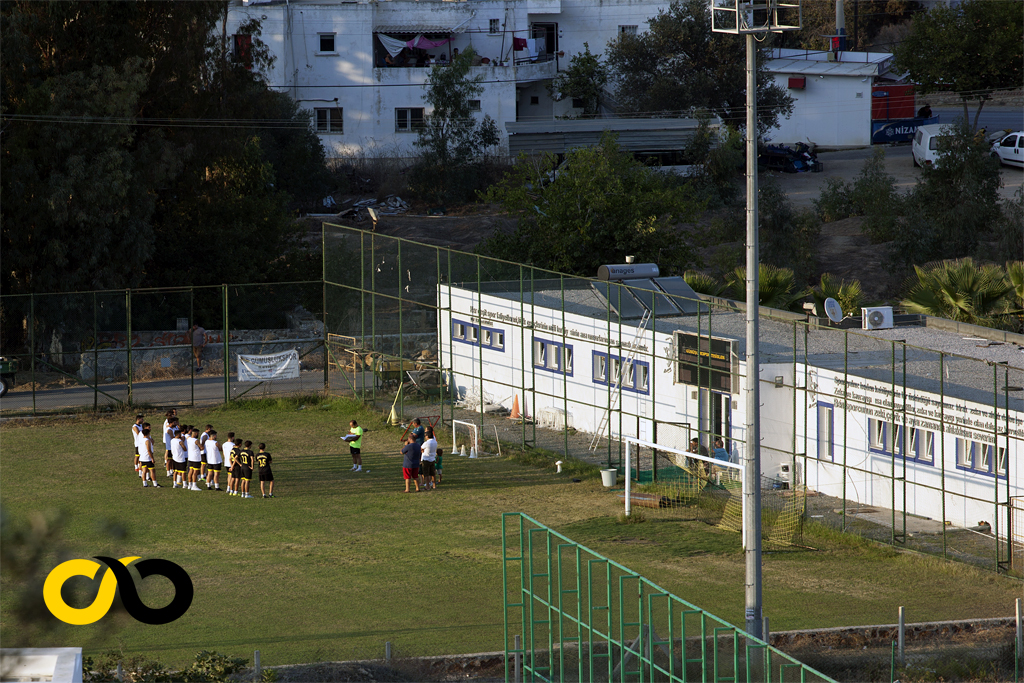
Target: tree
{"x":584,"y":79}
{"x":971,"y":48}
{"x":961,"y":290}
{"x":849,"y":295}
{"x":452,"y":140}
{"x":775,"y":287}
{"x":788,"y":237}
{"x":596,"y":208}
{"x":680,"y":64}
{"x":954,"y":203}
{"x":95,"y":166}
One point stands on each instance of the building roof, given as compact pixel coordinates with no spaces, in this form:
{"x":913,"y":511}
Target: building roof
{"x":971,"y":368}
{"x":811,"y":63}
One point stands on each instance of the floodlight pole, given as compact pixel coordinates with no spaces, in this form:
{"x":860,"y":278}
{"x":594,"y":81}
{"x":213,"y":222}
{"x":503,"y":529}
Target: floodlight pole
{"x":752,"y":466}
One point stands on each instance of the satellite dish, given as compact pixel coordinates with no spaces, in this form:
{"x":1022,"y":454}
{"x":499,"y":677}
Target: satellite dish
{"x":833,"y":310}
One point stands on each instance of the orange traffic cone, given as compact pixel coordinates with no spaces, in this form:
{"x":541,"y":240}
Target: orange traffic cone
{"x":515,"y":408}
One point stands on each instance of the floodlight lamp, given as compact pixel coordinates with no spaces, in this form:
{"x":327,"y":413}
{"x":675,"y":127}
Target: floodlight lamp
{"x":756,"y":16}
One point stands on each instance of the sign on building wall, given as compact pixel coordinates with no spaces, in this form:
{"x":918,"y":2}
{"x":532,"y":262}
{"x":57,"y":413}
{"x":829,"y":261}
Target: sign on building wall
{"x":706,"y":362}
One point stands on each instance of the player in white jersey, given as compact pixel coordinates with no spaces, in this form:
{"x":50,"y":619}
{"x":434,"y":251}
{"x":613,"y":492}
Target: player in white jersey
{"x":214,"y":461}
{"x":146,"y":463}
{"x":179,"y":455}
{"x":136,"y":433}
{"x":227,"y":449}
{"x":195,"y":459}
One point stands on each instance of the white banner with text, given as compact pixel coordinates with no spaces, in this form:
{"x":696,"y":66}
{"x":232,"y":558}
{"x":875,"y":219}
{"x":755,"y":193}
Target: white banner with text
{"x":268,"y":367}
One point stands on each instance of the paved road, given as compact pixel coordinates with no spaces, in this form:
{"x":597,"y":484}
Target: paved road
{"x":207,"y":390}
{"x":804,"y":188}
{"x":992,"y":118}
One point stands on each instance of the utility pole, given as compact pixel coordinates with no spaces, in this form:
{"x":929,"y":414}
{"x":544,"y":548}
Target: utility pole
{"x":752,"y":18}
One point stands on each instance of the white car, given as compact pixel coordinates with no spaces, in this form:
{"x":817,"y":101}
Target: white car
{"x":1010,"y":149}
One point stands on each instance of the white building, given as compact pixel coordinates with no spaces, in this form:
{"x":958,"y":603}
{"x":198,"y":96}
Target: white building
{"x":831,"y":99}
{"x":857,"y":422}
{"x":331,"y":58}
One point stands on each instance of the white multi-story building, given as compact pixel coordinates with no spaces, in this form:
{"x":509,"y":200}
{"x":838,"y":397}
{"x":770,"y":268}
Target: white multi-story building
{"x":332,"y":57}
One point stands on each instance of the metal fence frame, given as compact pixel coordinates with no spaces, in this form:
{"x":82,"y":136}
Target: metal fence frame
{"x":564,"y":598}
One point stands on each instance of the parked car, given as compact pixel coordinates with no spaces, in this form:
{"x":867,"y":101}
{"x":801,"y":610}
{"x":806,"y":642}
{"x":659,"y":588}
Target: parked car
{"x":925,"y":146}
{"x":1010,"y":149}
{"x":8,"y":367}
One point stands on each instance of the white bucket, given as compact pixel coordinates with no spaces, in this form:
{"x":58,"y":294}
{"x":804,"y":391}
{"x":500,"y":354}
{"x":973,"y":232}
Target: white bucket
{"x":608,"y":477}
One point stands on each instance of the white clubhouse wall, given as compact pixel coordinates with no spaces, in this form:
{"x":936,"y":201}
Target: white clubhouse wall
{"x":789,"y":417}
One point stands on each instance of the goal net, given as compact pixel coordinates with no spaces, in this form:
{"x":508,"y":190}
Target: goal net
{"x":475,"y":441}
{"x":670,"y":482}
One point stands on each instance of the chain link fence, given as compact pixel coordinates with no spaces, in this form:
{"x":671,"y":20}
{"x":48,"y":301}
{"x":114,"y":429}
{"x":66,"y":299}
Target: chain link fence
{"x":911,"y":436}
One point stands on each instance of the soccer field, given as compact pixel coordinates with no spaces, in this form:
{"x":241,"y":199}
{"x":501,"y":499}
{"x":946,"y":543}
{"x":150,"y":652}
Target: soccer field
{"x":341,"y":562}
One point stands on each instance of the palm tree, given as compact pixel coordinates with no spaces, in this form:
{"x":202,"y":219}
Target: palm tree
{"x":961,"y":290}
{"x":1015,"y":274}
{"x":702,"y":283}
{"x":848,"y":294}
{"x":775,"y":287}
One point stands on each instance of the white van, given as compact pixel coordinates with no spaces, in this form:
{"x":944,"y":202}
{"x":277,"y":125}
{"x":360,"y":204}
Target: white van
{"x":925,"y":147}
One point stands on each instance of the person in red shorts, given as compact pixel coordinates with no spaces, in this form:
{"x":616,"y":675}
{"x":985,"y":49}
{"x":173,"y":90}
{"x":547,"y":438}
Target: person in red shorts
{"x":411,"y":462}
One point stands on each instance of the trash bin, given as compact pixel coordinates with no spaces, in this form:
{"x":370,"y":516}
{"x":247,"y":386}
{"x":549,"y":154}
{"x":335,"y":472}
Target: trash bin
{"x":608,"y":477}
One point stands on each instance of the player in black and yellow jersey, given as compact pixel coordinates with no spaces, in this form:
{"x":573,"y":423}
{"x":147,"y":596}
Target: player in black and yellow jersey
{"x":245,"y":461}
{"x":263,"y":461}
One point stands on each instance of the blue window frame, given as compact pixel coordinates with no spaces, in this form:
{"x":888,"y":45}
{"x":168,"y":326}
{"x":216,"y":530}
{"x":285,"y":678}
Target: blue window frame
{"x":552,"y":356}
{"x":634,"y":374}
{"x":826,"y":431}
{"x":981,"y":458}
{"x":477,"y":335}
{"x":886,"y":437}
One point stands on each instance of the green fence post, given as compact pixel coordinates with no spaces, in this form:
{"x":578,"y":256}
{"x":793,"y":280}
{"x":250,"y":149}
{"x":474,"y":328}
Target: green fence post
{"x":32,"y":345}
{"x":95,"y":356}
{"x":192,"y":321}
{"x":128,"y":340}
{"x":227,"y":351}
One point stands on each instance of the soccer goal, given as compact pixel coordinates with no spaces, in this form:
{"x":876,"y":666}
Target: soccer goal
{"x":469,"y":440}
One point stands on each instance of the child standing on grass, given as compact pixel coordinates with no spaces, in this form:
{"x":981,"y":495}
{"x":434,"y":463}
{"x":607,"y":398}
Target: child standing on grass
{"x":235,"y":475}
{"x":428,"y":459}
{"x":411,"y":463}
{"x":355,"y":446}
{"x":226,"y":449}
{"x":146,"y":464}
{"x":179,"y":455}
{"x":195,"y":459}
{"x":245,"y":461}
{"x":136,"y":434}
{"x":214,"y":460}
{"x":263,"y":460}
{"x":165,"y":436}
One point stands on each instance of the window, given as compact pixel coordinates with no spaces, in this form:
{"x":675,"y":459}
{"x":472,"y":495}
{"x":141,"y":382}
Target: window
{"x":610,"y":370}
{"x":408,"y":119}
{"x":578,"y":103}
{"x":494,"y":26}
{"x":1009,"y":141}
{"x":478,"y":335}
{"x":474,"y":105}
{"x":241,"y":49}
{"x":327,"y":42}
{"x":552,"y":356}
{"x":876,"y":435}
{"x":534,"y":99}
{"x":922,"y":445}
{"x":826,"y":431}
{"x":1001,"y":461}
{"x":629,"y":30}
{"x":329,"y":120}
{"x":964,"y":453}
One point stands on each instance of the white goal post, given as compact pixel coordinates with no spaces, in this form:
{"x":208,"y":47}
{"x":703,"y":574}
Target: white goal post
{"x":466,"y":439}
{"x":677,"y":456}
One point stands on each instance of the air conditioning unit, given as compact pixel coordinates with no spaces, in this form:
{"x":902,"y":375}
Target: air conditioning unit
{"x":784,"y":478}
{"x":879,"y":318}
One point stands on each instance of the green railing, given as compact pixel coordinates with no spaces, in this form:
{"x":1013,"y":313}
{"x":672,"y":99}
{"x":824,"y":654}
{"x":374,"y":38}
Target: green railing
{"x":583,"y":617}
